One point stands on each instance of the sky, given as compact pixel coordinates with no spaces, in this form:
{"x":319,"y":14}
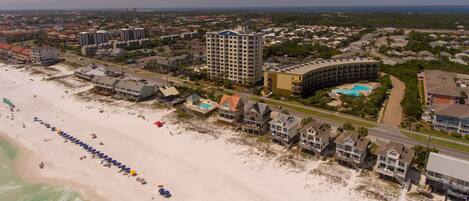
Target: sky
{"x":98,"y":4}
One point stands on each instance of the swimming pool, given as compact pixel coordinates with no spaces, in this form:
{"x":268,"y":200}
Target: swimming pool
{"x":205,"y":106}
{"x":354,"y":91}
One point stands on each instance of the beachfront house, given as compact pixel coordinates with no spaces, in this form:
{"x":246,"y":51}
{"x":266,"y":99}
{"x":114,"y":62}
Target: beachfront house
{"x":284,"y":128}
{"x":394,"y":159}
{"x":199,"y":105}
{"x":352,"y":148}
{"x":315,"y":137}
{"x":256,"y":118}
{"x":448,"y":175}
{"x":231,"y":109}
{"x":169,"y":95}
{"x":105,"y":82}
{"x":134,"y":90}
{"x":451,"y":118}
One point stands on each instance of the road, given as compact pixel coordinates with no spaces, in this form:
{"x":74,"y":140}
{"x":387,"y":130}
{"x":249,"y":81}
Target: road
{"x":380,"y":131}
{"x":393,"y":110}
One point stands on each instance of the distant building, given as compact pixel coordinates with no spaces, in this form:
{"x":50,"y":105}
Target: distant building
{"x":93,"y":37}
{"x":315,"y":137}
{"x":44,"y":56}
{"x":235,"y":56}
{"x":352,"y":148}
{"x":394,"y":160}
{"x":231,"y":109}
{"x":284,"y":128}
{"x":451,"y":118}
{"x":256,"y":118}
{"x":303,"y":79}
{"x":132,"y":34}
{"x":448,"y":175}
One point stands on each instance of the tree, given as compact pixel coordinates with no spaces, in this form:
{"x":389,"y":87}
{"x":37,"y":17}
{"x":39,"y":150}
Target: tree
{"x":348,"y":127}
{"x":362,"y":131}
{"x":421,"y":154}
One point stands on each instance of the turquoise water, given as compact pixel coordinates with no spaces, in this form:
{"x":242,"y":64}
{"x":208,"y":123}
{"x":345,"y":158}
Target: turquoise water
{"x":205,"y":106}
{"x":12,"y":188}
{"x":354,"y":91}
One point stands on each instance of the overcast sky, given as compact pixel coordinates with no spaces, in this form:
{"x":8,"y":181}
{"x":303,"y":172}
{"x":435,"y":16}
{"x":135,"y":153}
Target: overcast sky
{"x":77,"y":4}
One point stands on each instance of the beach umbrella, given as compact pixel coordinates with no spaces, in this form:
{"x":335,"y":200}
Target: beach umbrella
{"x":93,"y":150}
{"x":167,"y":194}
{"x":127,"y":170}
{"x":118,"y":164}
{"x":109,"y":159}
{"x":105,"y":156}
{"x":123,"y":167}
{"x":161,"y":191}
{"x":133,"y":172}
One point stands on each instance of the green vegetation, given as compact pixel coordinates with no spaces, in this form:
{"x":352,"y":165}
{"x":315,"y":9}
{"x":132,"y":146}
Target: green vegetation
{"x":420,"y":41}
{"x":421,"y":155}
{"x":319,"y":99}
{"x":369,"y":19}
{"x":296,"y":49}
{"x":407,"y":72}
{"x":442,"y":143}
{"x":325,"y":114}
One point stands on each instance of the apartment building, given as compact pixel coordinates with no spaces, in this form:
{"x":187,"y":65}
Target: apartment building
{"x":352,"y":148}
{"x":449,"y":176}
{"x":132,"y":34}
{"x":451,"y":118}
{"x":303,"y":79}
{"x":315,"y":137}
{"x":231,"y":109}
{"x":284,"y":128}
{"x":235,"y":55}
{"x":44,"y":56}
{"x":105,"y":82}
{"x":256,"y":118}
{"x":93,"y":37}
{"x":394,"y":159}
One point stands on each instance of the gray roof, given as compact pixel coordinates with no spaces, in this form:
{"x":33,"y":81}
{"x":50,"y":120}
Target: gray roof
{"x":449,"y":166}
{"x":131,"y":84}
{"x":261,"y":108}
{"x":104,"y":80}
{"x":360,"y":142}
{"x":169,"y":91}
{"x":453,"y":110}
{"x":286,"y":120}
{"x":301,"y":69}
{"x":442,"y":83}
{"x":322,"y":132}
{"x":405,"y":153}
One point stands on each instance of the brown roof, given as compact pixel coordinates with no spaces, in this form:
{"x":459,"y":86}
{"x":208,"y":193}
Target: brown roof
{"x":360,"y":142}
{"x":453,"y":110}
{"x":323,"y":132}
{"x":442,"y":83}
{"x":405,"y":153}
{"x":233,"y":101}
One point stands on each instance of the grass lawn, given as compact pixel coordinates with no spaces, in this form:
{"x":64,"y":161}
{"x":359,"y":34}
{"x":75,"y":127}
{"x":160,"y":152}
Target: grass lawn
{"x":324,"y":115}
{"x":434,"y":141}
{"x":438,"y":133}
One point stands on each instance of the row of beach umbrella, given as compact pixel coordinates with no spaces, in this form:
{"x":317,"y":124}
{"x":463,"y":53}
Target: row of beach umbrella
{"x":93,"y":151}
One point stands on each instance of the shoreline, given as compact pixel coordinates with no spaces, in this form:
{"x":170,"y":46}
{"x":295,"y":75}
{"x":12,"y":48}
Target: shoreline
{"x":23,"y":166}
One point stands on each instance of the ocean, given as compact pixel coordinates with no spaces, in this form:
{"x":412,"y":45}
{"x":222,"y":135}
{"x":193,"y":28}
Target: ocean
{"x":12,"y":188}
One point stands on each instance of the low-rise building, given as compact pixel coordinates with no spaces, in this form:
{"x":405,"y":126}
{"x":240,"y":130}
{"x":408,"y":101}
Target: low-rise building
{"x":284,"y":128}
{"x":105,"y":82}
{"x":315,"y":137}
{"x":303,"y":79}
{"x":451,"y":118}
{"x":448,"y":175}
{"x":442,"y":87}
{"x":134,"y":90}
{"x":394,"y":160}
{"x":256,"y":118}
{"x":352,"y":148}
{"x":231,"y":109}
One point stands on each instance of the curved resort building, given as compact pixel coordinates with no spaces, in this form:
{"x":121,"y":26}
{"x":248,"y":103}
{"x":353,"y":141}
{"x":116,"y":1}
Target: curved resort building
{"x":303,"y":79}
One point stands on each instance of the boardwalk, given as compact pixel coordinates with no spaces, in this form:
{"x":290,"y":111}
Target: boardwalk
{"x":393,"y":112}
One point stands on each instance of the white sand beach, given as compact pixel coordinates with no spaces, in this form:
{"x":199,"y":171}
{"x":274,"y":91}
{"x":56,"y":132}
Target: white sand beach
{"x":193,"y":166}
